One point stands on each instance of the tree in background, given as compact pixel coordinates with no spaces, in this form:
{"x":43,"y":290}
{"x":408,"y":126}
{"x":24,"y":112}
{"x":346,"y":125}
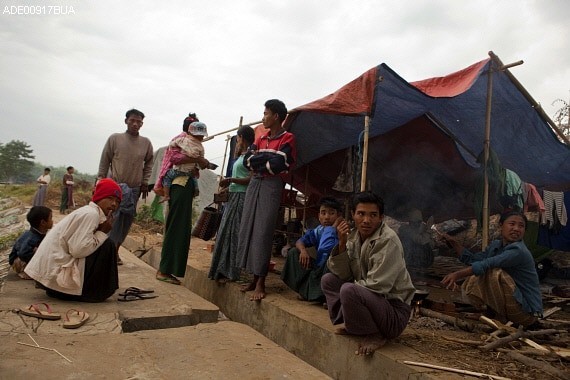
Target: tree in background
{"x":16,"y":162}
{"x":562,"y":117}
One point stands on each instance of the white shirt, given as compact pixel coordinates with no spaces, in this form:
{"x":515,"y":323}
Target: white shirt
{"x":46,"y":178}
{"x":74,"y":237}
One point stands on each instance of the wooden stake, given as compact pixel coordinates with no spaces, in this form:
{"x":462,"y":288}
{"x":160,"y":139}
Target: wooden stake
{"x":365,"y":153}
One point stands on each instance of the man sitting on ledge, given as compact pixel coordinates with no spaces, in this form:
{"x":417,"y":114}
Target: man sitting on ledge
{"x":369,"y":288}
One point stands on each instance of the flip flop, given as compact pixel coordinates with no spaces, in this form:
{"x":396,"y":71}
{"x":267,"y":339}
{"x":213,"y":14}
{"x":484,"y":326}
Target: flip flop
{"x":34,"y":311}
{"x":170,"y":279}
{"x":135,"y":290}
{"x":75,"y":320}
{"x":135,"y":297}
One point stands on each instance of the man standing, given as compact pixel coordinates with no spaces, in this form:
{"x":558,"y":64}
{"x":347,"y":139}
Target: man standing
{"x":67,"y":191}
{"x":369,"y":288}
{"x":269,"y":157}
{"x":43,"y":183}
{"x":127,"y":158}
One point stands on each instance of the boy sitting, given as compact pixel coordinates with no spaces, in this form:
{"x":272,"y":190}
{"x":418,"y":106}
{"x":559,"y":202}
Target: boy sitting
{"x":40,"y":219}
{"x":307,"y":262}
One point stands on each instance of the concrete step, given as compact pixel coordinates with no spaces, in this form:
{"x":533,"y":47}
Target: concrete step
{"x":302,"y":328}
{"x":175,"y":306}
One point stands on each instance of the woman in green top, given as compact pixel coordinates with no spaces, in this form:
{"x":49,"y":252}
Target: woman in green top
{"x":224,"y":265}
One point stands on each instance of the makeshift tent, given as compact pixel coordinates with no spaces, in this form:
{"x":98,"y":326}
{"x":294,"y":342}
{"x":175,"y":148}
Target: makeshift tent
{"x":425,"y":138}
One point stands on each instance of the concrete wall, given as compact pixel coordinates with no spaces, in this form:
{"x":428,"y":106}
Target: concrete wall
{"x":304,"y":335}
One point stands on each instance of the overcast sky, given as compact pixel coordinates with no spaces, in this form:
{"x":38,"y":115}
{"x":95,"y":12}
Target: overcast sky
{"x":66,"y":80}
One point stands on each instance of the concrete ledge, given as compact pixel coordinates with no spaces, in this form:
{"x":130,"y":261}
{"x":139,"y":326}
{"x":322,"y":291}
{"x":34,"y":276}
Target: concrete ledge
{"x":301,"y":328}
{"x":154,"y":320}
{"x":175,"y":306}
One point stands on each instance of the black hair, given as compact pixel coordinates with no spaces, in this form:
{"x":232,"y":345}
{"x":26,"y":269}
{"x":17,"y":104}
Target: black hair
{"x":247,"y":133}
{"x":278,"y":107}
{"x":69,"y":167}
{"x":135,"y":112}
{"x":331,"y":202}
{"x":37,"y":214}
{"x":189,"y":120}
{"x":505,"y":215}
{"x":47,"y":169}
{"x":368,"y":197}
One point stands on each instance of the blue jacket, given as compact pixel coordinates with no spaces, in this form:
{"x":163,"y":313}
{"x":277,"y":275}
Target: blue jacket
{"x":517,"y":261}
{"x":324,"y":239}
{"x":25,"y":245}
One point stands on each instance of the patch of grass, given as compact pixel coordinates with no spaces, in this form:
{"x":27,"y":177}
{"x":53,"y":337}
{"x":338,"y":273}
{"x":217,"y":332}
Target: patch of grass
{"x":24,"y":193}
{"x":9,"y":240}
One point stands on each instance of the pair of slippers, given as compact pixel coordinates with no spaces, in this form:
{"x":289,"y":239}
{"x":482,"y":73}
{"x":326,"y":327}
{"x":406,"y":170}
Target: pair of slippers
{"x":73,"y":318}
{"x":136,"y":294}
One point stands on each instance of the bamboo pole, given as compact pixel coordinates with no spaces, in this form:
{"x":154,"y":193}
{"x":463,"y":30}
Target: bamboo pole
{"x":365,"y":153}
{"x":231,"y":130}
{"x":531,"y":100}
{"x":486,"y":147}
{"x":487,"y":141}
{"x":462,"y":371}
{"x":306,"y":197}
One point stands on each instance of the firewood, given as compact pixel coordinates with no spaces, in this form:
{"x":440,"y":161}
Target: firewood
{"x":463,"y":341}
{"x":543,"y":366}
{"x":549,"y":312}
{"x":462,"y":324}
{"x":518,"y":335}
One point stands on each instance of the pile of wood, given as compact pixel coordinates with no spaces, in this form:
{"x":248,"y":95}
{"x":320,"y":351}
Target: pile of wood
{"x":535,"y":348}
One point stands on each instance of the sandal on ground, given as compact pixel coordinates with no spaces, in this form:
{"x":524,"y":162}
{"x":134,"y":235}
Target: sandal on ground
{"x":135,"y":290}
{"x":34,"y":311}
{"x":135,"y":297}
{"x":169,"y":279}
{"x":75,"y":318}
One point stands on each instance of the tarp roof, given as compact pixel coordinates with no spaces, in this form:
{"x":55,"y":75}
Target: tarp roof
{"x":425,"y":138}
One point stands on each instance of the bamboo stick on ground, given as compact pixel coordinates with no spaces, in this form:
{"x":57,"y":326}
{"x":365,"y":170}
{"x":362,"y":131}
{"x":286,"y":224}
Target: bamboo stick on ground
{"x":462,"y":371}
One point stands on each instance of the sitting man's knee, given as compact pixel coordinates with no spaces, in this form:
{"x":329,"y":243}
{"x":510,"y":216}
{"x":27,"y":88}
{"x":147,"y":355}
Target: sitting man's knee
{"x":328,"y":280}
{"x":347,"y":290}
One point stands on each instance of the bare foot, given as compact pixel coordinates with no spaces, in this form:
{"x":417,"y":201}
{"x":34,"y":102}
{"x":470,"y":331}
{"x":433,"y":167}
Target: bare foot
{"x":222,"y":280}
{"x":248,"y":287}
{"x":259,"y":292}
{"x":341,"y":331}
{"x":257,"y":295}
{"x":370,"y":343}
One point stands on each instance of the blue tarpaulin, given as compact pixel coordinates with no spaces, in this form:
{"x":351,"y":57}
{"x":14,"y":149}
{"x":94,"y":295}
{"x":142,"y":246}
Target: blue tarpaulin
{"x":424,"y":139}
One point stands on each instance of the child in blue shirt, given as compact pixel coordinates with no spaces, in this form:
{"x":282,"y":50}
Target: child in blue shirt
{"x":307,"y":262}
{"x":40,"y":219}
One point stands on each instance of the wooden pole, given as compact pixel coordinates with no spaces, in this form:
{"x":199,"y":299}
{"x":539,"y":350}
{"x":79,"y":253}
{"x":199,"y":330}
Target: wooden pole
{"x":231,"y":130}
{"x":486,"y":147}
{"x":365,"y":153}
{"x":487,"y":142}
{"x":531,"y":100}
{"x":228,"y":139}
{"x":306,"y":198}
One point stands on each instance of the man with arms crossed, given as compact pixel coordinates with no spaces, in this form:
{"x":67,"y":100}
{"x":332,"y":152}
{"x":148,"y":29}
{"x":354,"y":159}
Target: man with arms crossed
{"x":127,"y":158}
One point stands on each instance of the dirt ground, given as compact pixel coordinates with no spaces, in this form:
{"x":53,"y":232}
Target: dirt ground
{"x":435,"y":340}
